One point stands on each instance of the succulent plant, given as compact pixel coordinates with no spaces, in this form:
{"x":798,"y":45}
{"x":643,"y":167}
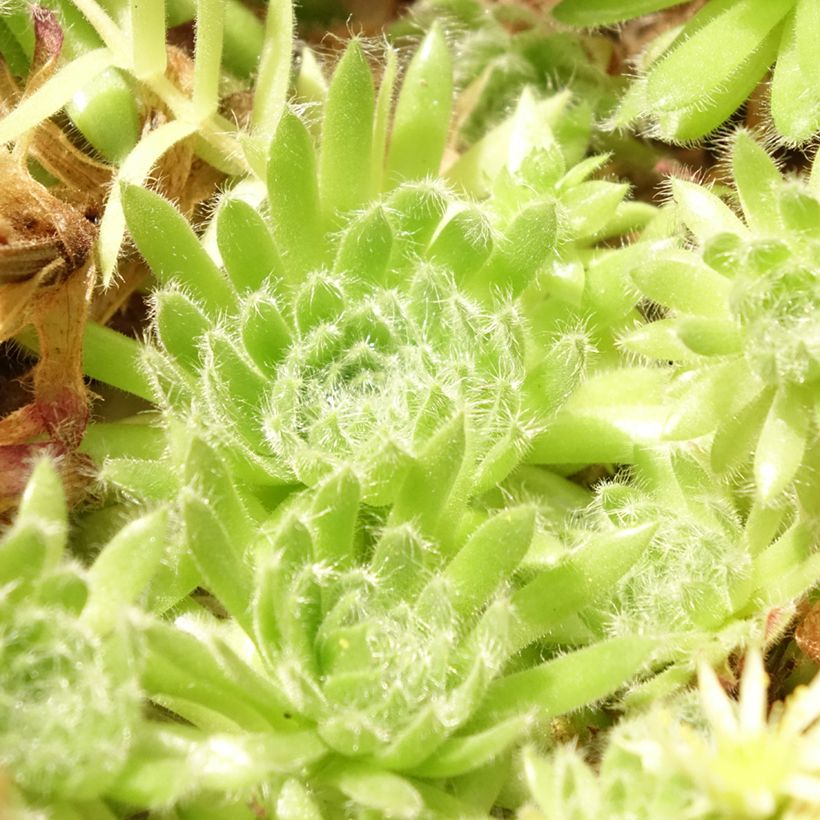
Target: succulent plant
{"x":717,"y":569}
{"x":69,"y":672}
{"x":746,"y":355}
{"x":353,"y":324}
{"x":706,"y":756}
{"x":690,"y":84}
{"x":111,"y":52}
{"x":452,"y":447}
{"x":61,"y":222}
{"x":504,"y":49}
{"x":367,"y":655}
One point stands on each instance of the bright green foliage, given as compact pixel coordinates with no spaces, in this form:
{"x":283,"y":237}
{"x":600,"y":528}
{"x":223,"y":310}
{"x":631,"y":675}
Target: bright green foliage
{"x":112,"y":70}
{"x":243,"y":34}
{"x":347,"y":137}
{"x":364,"y":332}
{"x":503,"y":49}
{"x":422,"y":118}
{"x":711,"y":562}
{"x":69,"y":697}
{"x":352,"y":588}
{"x":706,"y":757}
{"x":344,"y":396}
{"x":106,"y":99}
{"x":235,"y":42}
{"x":692,"y":82}
{"x":373,"y":665}
{"x":743,"y":323}
{"x":607,"y":12}
{"x":68,"y":703}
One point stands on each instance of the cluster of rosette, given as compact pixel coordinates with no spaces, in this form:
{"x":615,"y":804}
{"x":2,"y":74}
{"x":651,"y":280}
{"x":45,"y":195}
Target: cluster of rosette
{"x":365,"y":582}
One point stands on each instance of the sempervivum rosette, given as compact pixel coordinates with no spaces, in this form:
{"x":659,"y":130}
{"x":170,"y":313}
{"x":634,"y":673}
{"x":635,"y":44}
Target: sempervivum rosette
{"x":70,"y":698}
{"x":353,"y":324}
{"x":743,"y":324}
{"x":371,"y":658}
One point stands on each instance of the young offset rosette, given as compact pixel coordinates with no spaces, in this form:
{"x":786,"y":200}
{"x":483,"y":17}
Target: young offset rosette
{"x":743,"y":324}
{"x":69,"y":694}
{"x":718,"y":569}
{"x":704,"y":754}
{"x":506,"y":48}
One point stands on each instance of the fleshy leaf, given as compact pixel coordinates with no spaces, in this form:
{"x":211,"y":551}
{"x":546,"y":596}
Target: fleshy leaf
{"x":463,"y":754}
{"x":781,"y":444}
{"x":681,"y":281}
{"x":333,"y":519}
{"x":795,"y":104}
{"x":422,"y":117}
{"x":424,"y":495}
{"x":347,"y":136}
{"x":379,"y":790}
{"x":703,"y":212}
{"x":559,"y":592}
{"x":364,"y":251}
{"x":124,"y":568}
{"x":606,"y":12}
{"x":567,"y":682}
{"x":293,"y":194}
{"x":180,"y":324}
{"x":168,"y":763}
{"x":757,"y":178}
{"x":215,"y":553}
{"x":480,"y":566}
{"x":296,"y":803}
{"x":171,"y":248}
{"x":675,"y":84}
{"x":247,"y":248}
{"x":735,"y":438}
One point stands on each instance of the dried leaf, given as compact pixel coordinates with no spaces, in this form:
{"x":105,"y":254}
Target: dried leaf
{"x":45,"y":281}
{"x":807,"y":634}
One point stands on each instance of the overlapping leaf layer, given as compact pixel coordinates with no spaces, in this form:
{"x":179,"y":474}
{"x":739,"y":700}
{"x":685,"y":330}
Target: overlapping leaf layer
{"x":454,"y":450}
